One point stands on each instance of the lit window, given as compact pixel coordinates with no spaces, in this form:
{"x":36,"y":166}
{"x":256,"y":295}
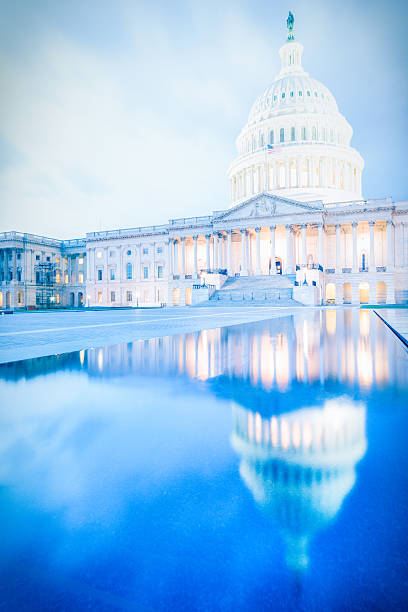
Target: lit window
{"x":159,"y":271}
{"x":112,"y":296}
{"x":145,"y":272}
{"x":66,"y":278}
{"x":99,"y":297}
{"x":81,"y":277}
{"x":99,"y":274}
{"x":112,"y":273}
{"x":99,"y":254}
{"x":129,"y":252}
{"x":128,"y":296}
{"x":282,"y":135}
{"x":57,"y":277}
{"x":80,"y":260}
{"x":57,"y":260}
{"x":58,"y":298}
{"x":129,"y":271}
{"x":145,"y":251}
{"x":160,"y":249}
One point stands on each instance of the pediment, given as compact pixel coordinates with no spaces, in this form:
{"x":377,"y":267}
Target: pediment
{"x":267,"y":205}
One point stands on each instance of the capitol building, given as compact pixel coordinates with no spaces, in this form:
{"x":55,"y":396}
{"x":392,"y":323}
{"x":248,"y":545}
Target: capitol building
{"x":297,"y":228}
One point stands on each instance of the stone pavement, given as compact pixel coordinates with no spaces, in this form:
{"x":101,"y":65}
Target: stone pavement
{"x":397,"y":319}
{"x":36,"y":334}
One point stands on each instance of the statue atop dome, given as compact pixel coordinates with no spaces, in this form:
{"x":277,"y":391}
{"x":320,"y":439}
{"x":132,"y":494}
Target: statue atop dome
{"x":289,"y":24}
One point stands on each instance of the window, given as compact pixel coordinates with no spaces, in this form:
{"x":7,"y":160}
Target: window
{"x":308,"y":93}
{"x":145,"y":272}
{"x":160,"y":249}
{"x":37,"y":258}
{"x":129,"y":252}
{"x":159,"y":271}
{"x":66,"y":278}
{"x":324,"y":134}
{"x":300,"y":94}
{"x":19,"y":275}
{"x":282,"y":135}
{"x":48,"y":258}
{"x":20,"y":298}
{"x":99,"y":297}
{"x":99,"y":254}
{"x":81,"y":277}
{"x":292,"y":133}
{"x":37,"y":278}
{"x":99,"y":274}
{"x":271,"y":137}
{"x":315,"y":94}
{"x":80,"y":260}
{"x":19,"y":256}
{"x":261,"y":140}
{"x":291,"y":94}
{"x":145,"y":251}
{"x":112,"y":296}
{"x":314,"y":133}
{"x":57,"y":277}
{"x":283,"y":95}
{"x":129,"y":271}
{"x":112,"y":273}
{"x":58,"y":298}
{"x":111,"y":253}
{"x":128,"y":296}
{"x":331,"y":135}
{"x":303,"y":133}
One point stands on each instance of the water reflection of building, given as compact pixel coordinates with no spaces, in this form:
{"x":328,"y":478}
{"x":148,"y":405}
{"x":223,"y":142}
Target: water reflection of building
{"x":300,"y":466}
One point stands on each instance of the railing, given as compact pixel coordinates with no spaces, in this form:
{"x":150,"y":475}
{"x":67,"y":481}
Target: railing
{"x":381,"y":268}
{"x":30,"y":238}
{"x":190,"y":221}
{"x":330,"y":270}
{"x":126,"y":232}
{"x":346,"y":270}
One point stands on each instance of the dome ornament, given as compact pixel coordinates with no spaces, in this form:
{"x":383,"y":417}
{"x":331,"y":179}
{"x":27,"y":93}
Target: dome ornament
{"x":289,"y":24}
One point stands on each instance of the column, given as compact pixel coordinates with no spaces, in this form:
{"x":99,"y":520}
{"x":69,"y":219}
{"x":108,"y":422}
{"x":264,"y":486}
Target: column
{"x":229,"y":270}
{"x":355,"y":260}
{"x":390,"y":263}
{"x":170,"y":257}
{"x":338,"y":262}
{"x":195,"y":266}
{"x":215,"y":252}
{"x":258,"y":251}
{"x":299,"y":172}
{"x":249,"y":252}
{"x":289,"y":250}
{"x":371,"y":263}
{"x":207,"y":252}
{"x":287,"y":183}
{"x":175,"y":249}
{"x":273,"y":264}
{"x":304,"y":251}
{"x":320,"y":245}
{"x":221,"y":251}
{"x":183,"y":256}
{"x":244,"y":267}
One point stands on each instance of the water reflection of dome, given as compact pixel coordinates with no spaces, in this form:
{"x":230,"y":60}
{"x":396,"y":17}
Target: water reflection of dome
{"x":300,"y":466}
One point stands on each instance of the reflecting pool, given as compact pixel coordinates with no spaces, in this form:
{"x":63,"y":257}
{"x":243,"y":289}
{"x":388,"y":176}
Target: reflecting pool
{"x":253,"y":467}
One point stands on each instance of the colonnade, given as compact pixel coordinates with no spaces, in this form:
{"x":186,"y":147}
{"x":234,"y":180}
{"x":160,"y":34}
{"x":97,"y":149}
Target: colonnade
{"x":358,"y":247}
{"x":299,"y":171}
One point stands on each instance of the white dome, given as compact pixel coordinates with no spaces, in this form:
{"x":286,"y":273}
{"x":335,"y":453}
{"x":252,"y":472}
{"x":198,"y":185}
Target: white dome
{"x":296,"y":143}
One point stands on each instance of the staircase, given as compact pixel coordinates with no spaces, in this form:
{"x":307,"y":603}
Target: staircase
{"x":274,"y":289}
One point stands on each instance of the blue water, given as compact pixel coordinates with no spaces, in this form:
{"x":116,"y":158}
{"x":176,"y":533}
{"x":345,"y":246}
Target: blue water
{"x":255,"y":467}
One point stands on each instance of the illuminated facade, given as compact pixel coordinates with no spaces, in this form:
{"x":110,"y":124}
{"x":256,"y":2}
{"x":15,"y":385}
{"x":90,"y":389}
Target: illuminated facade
{"x":297,"y":227}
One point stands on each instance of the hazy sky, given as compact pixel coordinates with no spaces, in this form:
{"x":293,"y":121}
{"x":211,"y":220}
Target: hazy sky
{"x":125,"y":113}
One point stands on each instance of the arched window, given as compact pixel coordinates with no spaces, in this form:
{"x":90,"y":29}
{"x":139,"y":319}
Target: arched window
{"x":303,"y":133}
{"x":282,"y":135}
{"x":292,"y":133}
{"x":129,"y":271}
{"x":271,"y":137}
{"x":314,"y":133}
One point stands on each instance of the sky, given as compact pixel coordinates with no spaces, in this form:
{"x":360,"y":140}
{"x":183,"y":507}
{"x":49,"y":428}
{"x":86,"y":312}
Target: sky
{"x":125,"y":113}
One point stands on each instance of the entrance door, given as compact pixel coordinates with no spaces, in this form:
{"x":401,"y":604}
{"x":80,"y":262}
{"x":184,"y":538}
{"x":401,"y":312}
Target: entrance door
{"x":278,"y":264}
